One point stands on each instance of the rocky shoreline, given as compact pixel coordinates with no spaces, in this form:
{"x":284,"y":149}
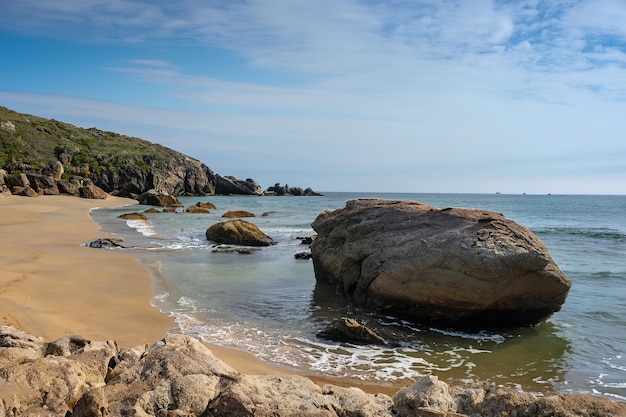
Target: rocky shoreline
{"x":179,"y":376}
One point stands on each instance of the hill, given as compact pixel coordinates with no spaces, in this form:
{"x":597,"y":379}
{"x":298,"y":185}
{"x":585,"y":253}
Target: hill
{"x":56,"y":157}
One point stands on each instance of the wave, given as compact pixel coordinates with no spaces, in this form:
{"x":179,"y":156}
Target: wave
{"x":142,"y":226}
{"x":592,"y":232}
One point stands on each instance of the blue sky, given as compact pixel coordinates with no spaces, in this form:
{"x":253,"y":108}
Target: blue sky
{"x":343,"y":95}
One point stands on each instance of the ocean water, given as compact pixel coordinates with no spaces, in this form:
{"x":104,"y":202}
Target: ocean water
{"x":267,"y":302}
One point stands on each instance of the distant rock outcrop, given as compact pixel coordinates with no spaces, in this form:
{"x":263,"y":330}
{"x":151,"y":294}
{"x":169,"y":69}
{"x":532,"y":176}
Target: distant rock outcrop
{"x":451,"y":266}
{"x":238,"y":232}
{"x":232,"y":185}
{"x":286,"y":190}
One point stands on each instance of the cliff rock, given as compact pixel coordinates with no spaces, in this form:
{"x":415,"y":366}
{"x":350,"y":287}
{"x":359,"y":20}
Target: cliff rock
{"x":232,"y":185}
{"x":118,"y":164}
{"x":286,"y":190}
{"x":453,"y":266}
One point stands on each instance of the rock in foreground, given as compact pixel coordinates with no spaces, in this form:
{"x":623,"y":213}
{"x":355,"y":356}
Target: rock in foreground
{"x":449,"y":266}
{"x":180,"y":376}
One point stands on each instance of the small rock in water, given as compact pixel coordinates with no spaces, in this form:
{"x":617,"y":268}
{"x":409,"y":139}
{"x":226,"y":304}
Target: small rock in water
{"x":104,"y":243}
{"x":351,"y":331}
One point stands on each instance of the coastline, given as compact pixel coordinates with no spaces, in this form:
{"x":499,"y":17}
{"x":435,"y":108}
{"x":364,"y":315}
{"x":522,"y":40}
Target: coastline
{"x":52,"y":286}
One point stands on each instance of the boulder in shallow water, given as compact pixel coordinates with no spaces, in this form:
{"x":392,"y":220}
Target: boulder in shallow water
{"x":238,"y":232}
{"x":351,"y":331}
{"x":449,"y":266}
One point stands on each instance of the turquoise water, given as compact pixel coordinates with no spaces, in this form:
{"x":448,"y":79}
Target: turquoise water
{"x":267,"y":302}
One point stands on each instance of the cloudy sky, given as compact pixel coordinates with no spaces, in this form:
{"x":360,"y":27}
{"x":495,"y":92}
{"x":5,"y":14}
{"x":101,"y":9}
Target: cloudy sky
{"x":340,"y":95}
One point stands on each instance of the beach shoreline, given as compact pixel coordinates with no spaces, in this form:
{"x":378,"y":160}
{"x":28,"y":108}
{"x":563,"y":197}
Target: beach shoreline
{"x":52,"y":286}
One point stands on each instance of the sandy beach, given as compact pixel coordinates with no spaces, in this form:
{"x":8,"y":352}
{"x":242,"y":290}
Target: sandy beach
{"x":52,"y":286}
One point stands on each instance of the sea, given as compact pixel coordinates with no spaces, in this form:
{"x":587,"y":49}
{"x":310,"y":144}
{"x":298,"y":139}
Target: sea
{"x":266,"y":302}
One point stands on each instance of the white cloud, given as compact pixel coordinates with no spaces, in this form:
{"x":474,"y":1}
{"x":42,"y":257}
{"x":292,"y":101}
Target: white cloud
{"x":456,"y":88}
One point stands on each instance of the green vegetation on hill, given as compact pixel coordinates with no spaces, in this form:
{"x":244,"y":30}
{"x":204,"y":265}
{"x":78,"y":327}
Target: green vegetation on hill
{"x":36,"y":143}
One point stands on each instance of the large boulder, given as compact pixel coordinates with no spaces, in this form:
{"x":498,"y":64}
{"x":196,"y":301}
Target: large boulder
{"x":238,"y":232}
{"x":453,"y":266}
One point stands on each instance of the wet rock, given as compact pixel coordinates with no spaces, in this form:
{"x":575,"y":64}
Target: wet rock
{"x":133,"y":216}
{"x":104,"y":243}
{"x":233,"y":214}
{"x":197,"y":210}
{"x":238,"y":232}
{"x":351,"y":331}
{"x":206,"y":205}
{"x":457,"y":267}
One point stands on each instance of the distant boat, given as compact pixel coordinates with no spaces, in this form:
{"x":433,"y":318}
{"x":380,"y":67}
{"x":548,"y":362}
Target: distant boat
{"x":498,"y":192}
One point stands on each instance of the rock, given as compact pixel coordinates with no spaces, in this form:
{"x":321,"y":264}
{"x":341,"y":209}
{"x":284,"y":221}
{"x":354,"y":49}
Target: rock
{"x":24,"y":191}
{"x":154,"y":198}
{"x":286,"y":190}
{"x":351,"y":331}
{"x":170,"y":209}
{"x":3,"y":185}
{"x":16,"y":180}
{"x":206,"y":205}
{"x":66,"y":346}
{"x":170,"y":173}
{"x":133,"y":216}
{"x":57,"y":170}
{"x":411,"y":259}
{"x":43,"y":184}
{"x":238,"y":232}
{"x":354,"y":402}
{"x":427,"y":393}
{"x":270,"y":395}
{"x":180,"y":376}
{"x":7,"y":127}
{"x":10,"y":337}
{"x":104,"y":243}
{"x":151,"y":210}
{"x":90,"y":190}
{"x":197,"y":210}
{"x":303,"y":255}
{"x":233,"y":214}
{"x":307,"y":240}
{"x":69,"y":187}
{"x":232,"y":185}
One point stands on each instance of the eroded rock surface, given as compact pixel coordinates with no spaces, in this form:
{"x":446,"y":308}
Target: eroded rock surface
{"x":238,"y":232}
{"x":453,"y":266}
{"x":180,"y":376}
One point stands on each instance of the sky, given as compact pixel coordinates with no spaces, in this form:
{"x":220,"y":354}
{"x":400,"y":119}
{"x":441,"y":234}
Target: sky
{"x":433,"y":96}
